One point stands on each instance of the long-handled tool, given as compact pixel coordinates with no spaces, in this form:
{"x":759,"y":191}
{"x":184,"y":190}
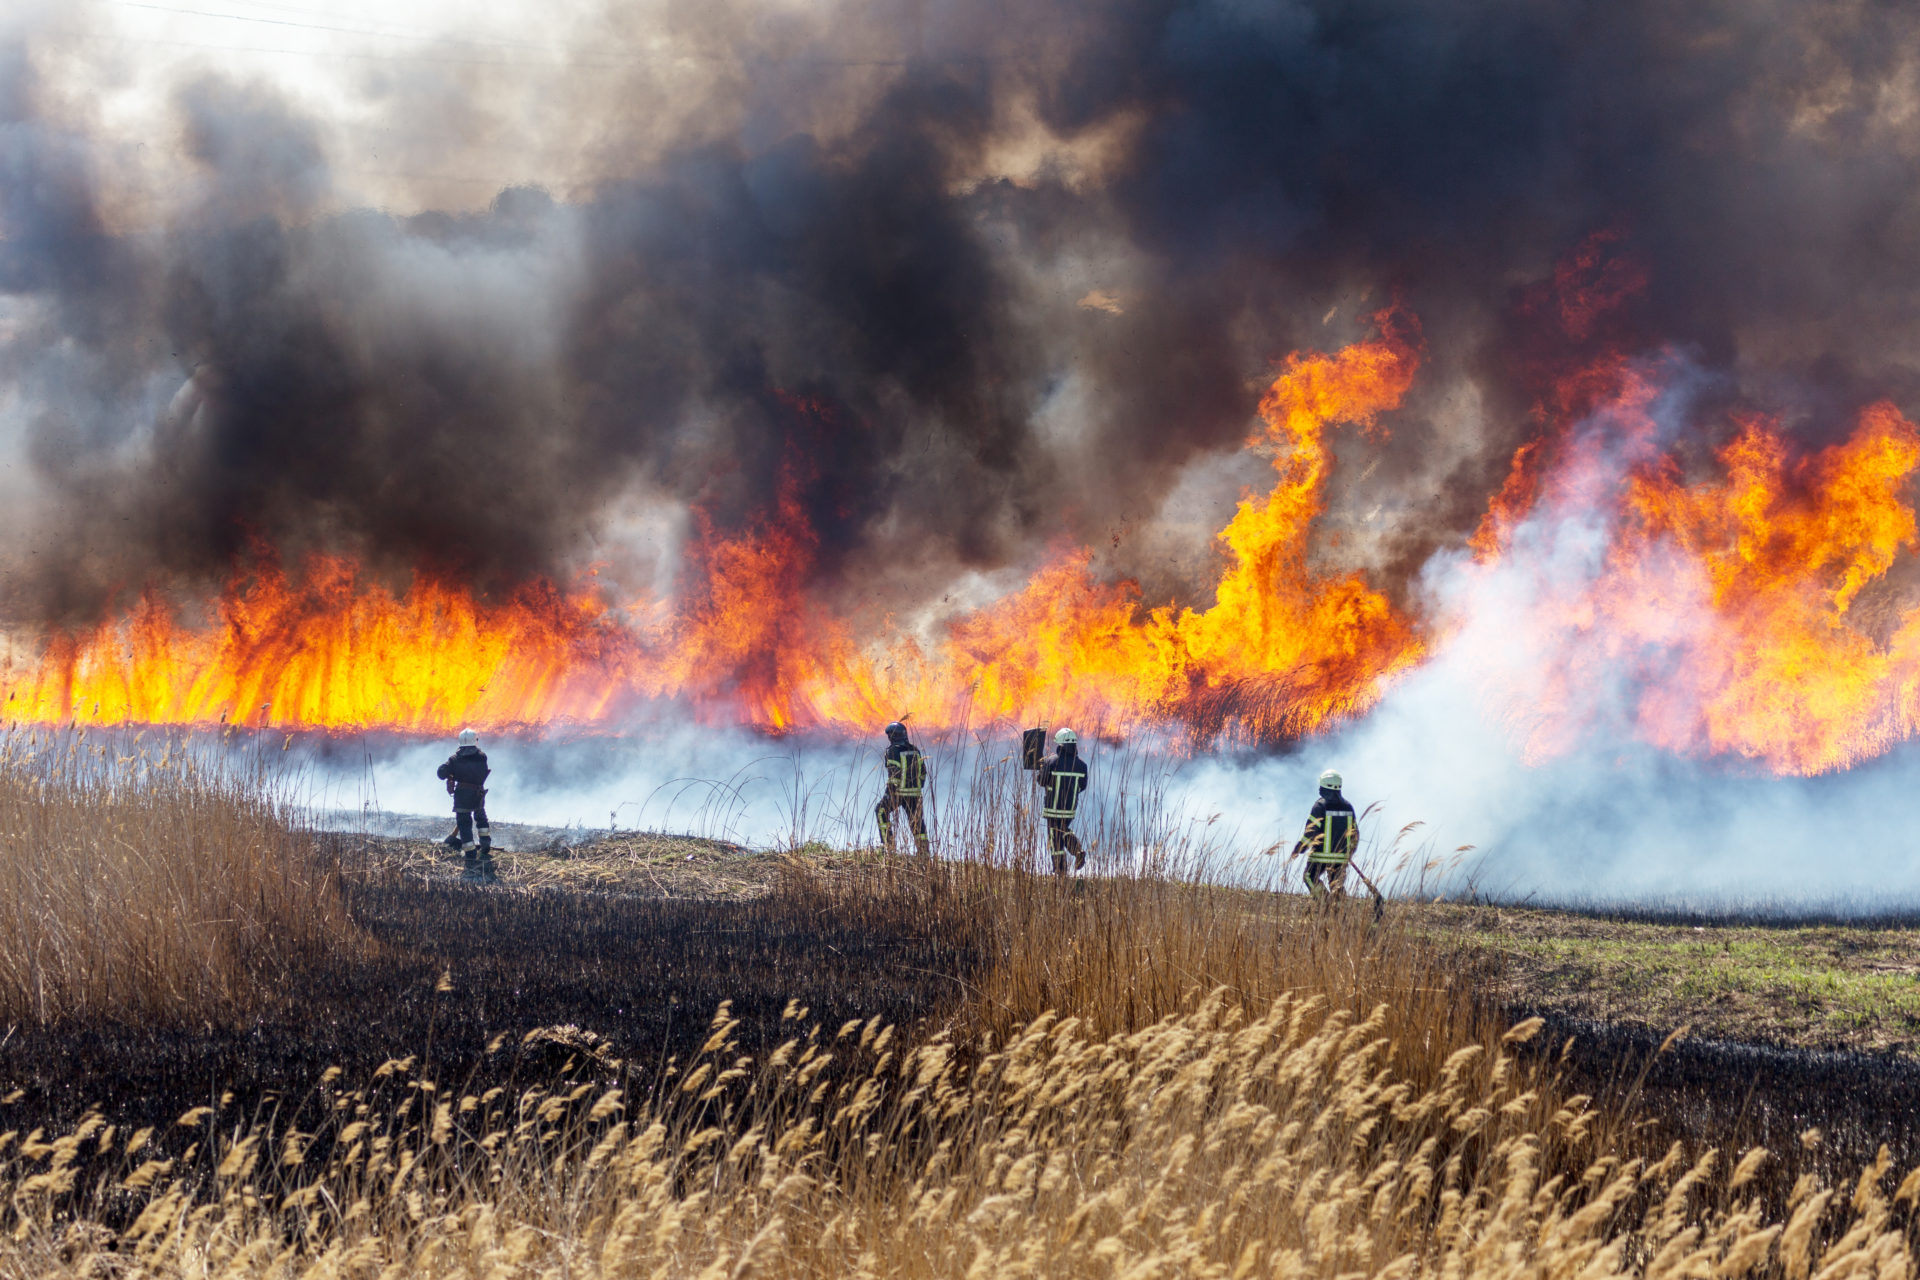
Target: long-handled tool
{"x":1033,"y":748}
{"x":1379,"y":899}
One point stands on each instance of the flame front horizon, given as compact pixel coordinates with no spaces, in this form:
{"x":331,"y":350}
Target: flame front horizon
{"x":1733,"y":606}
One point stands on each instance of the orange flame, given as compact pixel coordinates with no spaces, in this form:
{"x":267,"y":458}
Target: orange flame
{"x":1784,"y":671}
{"x":336,"y":652}
{"x":1737,"y":606}
{"x":1282,"y":648}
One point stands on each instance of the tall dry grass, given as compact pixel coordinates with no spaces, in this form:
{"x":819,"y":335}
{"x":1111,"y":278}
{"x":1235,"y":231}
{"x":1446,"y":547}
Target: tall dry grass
{"x":148,"y":883}
{"x":1209,"y":1144}
{"x":1139,"y":1076}
{"x":1290,"y":1120}
{"x":1124,"y":952}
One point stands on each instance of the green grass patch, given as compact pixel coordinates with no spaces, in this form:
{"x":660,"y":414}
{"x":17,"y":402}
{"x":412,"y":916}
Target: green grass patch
{"x":1821,"y":986}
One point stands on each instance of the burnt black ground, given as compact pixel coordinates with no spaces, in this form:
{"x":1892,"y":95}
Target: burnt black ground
{"x":647,"y":974}
{"x":1730,"y":1095}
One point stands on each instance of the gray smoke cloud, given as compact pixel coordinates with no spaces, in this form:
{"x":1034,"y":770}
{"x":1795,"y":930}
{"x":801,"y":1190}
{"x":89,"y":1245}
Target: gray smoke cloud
{"x":959,"y":284}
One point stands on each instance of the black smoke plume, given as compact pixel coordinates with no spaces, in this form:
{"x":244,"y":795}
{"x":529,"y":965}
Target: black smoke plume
{"x":828,"y":275}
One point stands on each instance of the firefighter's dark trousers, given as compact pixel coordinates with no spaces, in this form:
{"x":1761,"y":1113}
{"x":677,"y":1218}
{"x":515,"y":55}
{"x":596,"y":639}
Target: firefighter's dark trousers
{"x":472,"y":833}
{"x":916,"y":818}
{"x":1334,"y":875}
{"x":1061,"y":841}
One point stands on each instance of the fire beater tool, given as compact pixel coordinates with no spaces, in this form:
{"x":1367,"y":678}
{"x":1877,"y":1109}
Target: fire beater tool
{"x":1033,"y":748}
{"x":1379,"y":900}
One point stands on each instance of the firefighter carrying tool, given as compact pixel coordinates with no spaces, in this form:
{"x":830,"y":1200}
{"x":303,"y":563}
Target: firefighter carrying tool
{"x":1332,"y":835}
{"x":1062,"y":778}
{"x":465,"y":773}
{"x":906,"y":770}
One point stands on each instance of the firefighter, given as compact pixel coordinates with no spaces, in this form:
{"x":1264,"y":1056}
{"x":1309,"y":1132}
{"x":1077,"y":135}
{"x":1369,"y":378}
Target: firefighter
{"x":906,"y":771}
{"x":1062,"y":778}
{"x":465,"y":774}
{"x":1332,"y":835}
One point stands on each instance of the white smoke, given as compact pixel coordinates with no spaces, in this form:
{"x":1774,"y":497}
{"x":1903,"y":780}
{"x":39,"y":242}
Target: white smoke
{"x":1517,"y":738}
{"x":1614,"y":822}
{"x":1506,"y":766}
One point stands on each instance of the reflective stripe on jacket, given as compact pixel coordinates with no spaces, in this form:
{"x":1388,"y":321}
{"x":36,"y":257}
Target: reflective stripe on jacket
{"x":1062,"y":783}
{"x":1333,"y":832}
{"x":906,"y":770}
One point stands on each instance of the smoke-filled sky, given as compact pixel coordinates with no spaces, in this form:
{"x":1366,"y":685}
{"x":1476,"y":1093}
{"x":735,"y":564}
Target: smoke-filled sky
{"x":499,"y":291}
{"x":491,"y":294}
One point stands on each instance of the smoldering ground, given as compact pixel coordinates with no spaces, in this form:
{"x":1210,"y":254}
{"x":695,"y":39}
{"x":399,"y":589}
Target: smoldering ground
{"x":958,"y":283}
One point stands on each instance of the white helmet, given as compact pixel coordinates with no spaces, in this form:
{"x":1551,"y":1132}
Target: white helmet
{"x":1330,"y":780}
{"x":468,"y":738}
{"x":1064,"y":738}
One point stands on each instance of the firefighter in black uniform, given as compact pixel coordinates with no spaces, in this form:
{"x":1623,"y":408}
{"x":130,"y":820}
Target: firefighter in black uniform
{"x":1062,"y":778}
{"x":465,"y":774}
{"x":906,"y":770}
{"x":1332,"y":835}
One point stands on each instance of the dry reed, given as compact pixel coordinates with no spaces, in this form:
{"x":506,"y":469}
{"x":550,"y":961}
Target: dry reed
{"x":1241,"y":1132}
{"x":147,"y":883}
{"x":1141,"y":1077}
{"x":1209,"y":1144}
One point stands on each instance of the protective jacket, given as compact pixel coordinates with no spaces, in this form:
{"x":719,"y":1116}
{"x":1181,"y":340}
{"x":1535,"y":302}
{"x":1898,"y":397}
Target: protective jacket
{"x":1333,"y":830}
{"x":465,"y":773}
{"x":1063,"y":779}
{"x":906,"y":770}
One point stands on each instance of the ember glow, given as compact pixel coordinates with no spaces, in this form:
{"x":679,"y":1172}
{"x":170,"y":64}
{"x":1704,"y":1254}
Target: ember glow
{"x":1281,"y":650}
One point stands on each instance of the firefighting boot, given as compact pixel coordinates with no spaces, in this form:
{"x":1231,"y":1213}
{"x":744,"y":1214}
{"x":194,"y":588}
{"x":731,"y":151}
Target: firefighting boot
{"x":452,"y":841}
{"x":1060,"y":864}
{"x":486,"y":843}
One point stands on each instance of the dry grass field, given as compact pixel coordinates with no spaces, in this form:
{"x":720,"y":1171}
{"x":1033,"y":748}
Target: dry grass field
{"x":147,"y":884}
{"x":834,"y":1065}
